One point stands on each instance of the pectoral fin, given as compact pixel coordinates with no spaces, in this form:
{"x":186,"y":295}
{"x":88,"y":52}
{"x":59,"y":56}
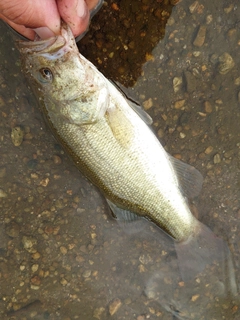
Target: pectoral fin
{"x":135,"y":106}
{"x":141,"y":112}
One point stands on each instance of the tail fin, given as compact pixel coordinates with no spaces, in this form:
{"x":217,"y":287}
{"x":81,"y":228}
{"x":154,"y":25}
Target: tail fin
{"x":200,"y":250}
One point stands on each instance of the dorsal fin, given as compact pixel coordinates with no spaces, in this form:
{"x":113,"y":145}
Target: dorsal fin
{"x":190,"y":179}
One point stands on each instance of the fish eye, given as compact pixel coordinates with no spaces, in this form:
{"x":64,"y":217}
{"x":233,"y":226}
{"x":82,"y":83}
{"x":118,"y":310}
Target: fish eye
{"x":45,"y":75}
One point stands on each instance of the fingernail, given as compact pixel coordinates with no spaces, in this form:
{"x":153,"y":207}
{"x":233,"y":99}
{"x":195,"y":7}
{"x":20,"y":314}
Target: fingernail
{"x":44,"y":32}
{"x":82,"y":9}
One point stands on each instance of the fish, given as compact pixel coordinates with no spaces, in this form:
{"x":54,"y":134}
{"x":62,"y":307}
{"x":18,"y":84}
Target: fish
{"x":111,"y":142}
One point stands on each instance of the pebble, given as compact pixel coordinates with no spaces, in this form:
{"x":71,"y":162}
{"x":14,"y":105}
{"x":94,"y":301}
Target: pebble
{"x":200,"y":38}
{"x":195,"y":297}
{"x":36,"y":255}
{"x":57,"y":159}
{"x":208,"y":107}
{"x":114,"y":306}
{"x":229,"y":8}
{"x":87,"y":274}
{"x":209,"y":18}
{"x":36,"y":281}
{"x":63,"y":282}
{"x":237,"y":81}
{"x":148,"y":104}
{"x":17,"y":136}
{"x":34,"y":287}
{"x":63,"y":250}
{"x":216,"y":158}
{"x":2,"y":194}
{"x":177,"y":83}
{"x":160,"y":133}
{"x":28,"y":243}
{"x":226,"y":63}
{"x":193,"y":7}
{"x":208,"y":150}
{"x":98,"y":312}
{"x":182,"y":135}
{"x":179,"y":104}
{"x":35,"y":267}
{"x":44,"y":182}
{"x":196,"y":53}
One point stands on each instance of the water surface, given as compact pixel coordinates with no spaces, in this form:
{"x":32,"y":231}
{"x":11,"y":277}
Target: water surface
{"x":62,"y":256}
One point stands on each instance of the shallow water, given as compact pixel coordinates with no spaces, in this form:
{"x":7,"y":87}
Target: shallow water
{"x":62,"y":256}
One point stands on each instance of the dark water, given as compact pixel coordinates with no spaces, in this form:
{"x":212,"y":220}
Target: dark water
{"x":62,"y":256}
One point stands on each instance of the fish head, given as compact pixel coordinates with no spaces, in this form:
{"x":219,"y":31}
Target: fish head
{"x":75,"y":88}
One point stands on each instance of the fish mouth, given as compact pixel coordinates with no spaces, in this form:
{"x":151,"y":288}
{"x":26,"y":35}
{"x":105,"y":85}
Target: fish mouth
{"x":54,"y":45}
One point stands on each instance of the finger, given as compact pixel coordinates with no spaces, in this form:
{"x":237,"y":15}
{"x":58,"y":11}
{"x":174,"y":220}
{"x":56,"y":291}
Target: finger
{"x":75,"y":13}
{"x":31,"y":14}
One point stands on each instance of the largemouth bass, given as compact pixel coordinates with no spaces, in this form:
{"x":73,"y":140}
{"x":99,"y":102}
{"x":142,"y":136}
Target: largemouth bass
{"x":112,"y":145}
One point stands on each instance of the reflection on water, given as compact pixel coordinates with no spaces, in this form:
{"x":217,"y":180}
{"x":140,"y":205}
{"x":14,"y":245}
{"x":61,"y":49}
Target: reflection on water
{"x":62,"y":256}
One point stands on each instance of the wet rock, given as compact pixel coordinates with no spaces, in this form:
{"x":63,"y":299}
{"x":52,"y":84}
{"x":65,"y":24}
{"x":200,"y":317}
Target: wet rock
{"x":57,"y":159}
{"x":148,"y":104}
{"x":179,"y":104}
{"x":2,"y":194}
{"x":17,"y":136}
{"x":29,"y":243}
{"x":35,"y":267}
{"x":63,"y":282}
{"x":36,"y":255}
{"x":177,"y":83}
{"x":216,"y":158}
{"x":200,"y":38}
{"x":193,"y":7}
{"x":196,"y":53}
{"x":114,"y":306}
{"x":98,"y":312}
{"x":36,"y":281}
{"x":226,"y":63}
{"x":237,"y":81}
{"x":229,"y":8}
{"x":87,"y":274}
{"x":208,"y":150}
{"x":191,"y":83}
{"x":63,"y":250}
{"x":209,"y":19}
{"x":12,"y":229}
{"x":208,"y":107}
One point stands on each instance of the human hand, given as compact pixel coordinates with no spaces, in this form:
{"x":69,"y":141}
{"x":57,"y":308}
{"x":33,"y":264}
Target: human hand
{"x":43,"y":17}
